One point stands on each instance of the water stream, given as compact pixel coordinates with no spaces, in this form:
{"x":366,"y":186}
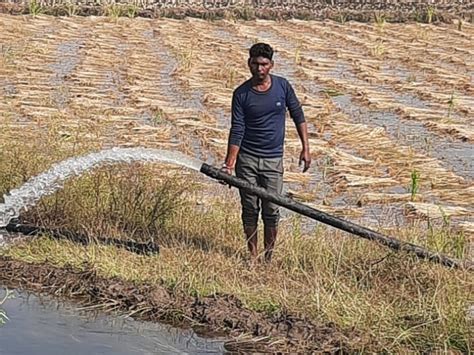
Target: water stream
{"x":50,"y":181}
{"x":41,"y":325}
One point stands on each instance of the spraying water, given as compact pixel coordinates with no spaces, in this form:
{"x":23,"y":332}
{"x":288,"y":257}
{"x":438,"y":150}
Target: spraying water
{"x":50,"y":181}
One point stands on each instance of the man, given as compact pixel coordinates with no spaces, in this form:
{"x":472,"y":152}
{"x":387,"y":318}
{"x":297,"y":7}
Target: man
{"x":255,"y":147}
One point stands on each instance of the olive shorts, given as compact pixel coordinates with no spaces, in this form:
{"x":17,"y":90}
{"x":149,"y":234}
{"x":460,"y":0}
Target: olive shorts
{"x":266,"y":173}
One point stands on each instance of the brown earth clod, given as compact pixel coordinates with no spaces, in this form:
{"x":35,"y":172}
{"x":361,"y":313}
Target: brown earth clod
{"x":217,"y":314}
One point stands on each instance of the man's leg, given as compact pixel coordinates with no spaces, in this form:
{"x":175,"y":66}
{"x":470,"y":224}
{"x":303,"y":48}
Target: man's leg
{"x":246,"y":168}
{"x":252,"y":240}
{"x":271,"y":178}
{"x":270,"y":236}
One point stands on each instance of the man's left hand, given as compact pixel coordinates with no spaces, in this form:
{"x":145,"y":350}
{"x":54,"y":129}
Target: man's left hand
{"x":306,"y":158}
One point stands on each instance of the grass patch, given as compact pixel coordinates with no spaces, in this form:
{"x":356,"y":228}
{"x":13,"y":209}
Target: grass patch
{"x":396,"y":301}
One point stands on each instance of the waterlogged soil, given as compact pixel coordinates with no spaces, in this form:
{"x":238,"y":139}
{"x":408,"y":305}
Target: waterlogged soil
{"x":211,"y":315}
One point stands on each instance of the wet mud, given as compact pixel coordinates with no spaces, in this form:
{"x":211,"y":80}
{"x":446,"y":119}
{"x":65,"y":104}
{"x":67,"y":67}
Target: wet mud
{"x":219,"y":314}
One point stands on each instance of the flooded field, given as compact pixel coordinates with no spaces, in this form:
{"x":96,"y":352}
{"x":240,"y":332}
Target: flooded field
{"x":390,"y":115}
{"x":382,"y":100}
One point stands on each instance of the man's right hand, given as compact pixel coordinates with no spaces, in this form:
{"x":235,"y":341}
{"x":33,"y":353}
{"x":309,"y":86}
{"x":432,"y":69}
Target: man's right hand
{"x":228,"y":170}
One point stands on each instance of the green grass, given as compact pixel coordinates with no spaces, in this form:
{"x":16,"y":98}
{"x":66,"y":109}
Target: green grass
{"x":34,"y":8}
{"x":414,"y":187}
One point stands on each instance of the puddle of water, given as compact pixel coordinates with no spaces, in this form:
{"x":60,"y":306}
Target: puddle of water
{"x":383,"y":216}
{"x":9,"y":89}
{"x":397,"y":72}
{"x":44,"y":326}
{"x":67,"y":53}
{"x":68,"y":58}
{"x":408,"y":100}
{"x":223,"y":118}
{"x":167,"y":82}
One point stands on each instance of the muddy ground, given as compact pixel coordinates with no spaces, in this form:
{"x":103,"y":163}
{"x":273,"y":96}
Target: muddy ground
{"x":209,"y":316}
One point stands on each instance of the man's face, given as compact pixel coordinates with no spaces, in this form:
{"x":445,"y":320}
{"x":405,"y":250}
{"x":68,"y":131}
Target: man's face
{"x":260,"y":67}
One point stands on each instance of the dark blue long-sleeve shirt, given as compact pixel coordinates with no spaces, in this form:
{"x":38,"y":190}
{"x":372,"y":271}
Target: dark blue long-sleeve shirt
{"x":258,"y":118}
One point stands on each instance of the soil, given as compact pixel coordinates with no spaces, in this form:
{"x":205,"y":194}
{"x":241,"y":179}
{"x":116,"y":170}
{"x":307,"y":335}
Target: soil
{"x":208,"y":316}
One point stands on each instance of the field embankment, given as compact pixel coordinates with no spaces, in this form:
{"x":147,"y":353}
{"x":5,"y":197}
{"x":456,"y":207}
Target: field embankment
{"x":337,"y":10}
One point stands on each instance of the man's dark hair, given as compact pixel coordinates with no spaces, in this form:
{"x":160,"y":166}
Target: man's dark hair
{"x":261,"y":50}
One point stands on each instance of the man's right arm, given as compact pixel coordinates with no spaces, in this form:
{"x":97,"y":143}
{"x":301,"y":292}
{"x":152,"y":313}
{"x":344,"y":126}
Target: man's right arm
{"x":236,"y":133}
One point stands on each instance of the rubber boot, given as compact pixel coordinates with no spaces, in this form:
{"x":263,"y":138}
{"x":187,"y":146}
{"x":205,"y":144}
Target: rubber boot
{"x":251,"y":236}
{"x":270,"y":236}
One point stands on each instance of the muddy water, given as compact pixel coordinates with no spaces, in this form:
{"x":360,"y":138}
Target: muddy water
{"x":44,"y":326}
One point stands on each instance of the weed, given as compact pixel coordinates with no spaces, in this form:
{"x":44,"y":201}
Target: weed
{"x":378,"y":50}
{"x":342,"y":17}
{"x":422,"y":33}
{"x":430,"y":13}
{"x":185,"y":58}
{"x":411,"y":78}
{"x":298,"y":53}
{"x":451,"y":104}
{"x":3,"y":317}
{"x":229,"y":15}
{"x":418,"y":16}
{"x":115,"y":11}
{"x":379,"y":21}
{"x":428,"y":144}
{"x":132,"y":10}
{"x":35,"y":8}
{"x":231,"y":78}
{"x":6,"y":53}
{"x":71,"y":9}
{"x":159,"y":117}
{"x":443,"y":240}
{"x":245,"y":13}
{"x":267,"y":306}
{"x":327,"y":166}
{"x":414,"y":184}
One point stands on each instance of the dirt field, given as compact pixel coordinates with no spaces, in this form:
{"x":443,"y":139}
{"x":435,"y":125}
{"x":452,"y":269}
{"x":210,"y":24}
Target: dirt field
{"x":390,"y":106}
{"x":390,"y":111}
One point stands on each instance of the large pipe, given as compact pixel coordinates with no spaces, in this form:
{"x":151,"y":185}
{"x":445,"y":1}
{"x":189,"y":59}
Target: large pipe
{"x":339,"y":223}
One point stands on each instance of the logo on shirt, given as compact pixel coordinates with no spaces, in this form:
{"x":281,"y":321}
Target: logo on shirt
{"x":278,"y":103}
